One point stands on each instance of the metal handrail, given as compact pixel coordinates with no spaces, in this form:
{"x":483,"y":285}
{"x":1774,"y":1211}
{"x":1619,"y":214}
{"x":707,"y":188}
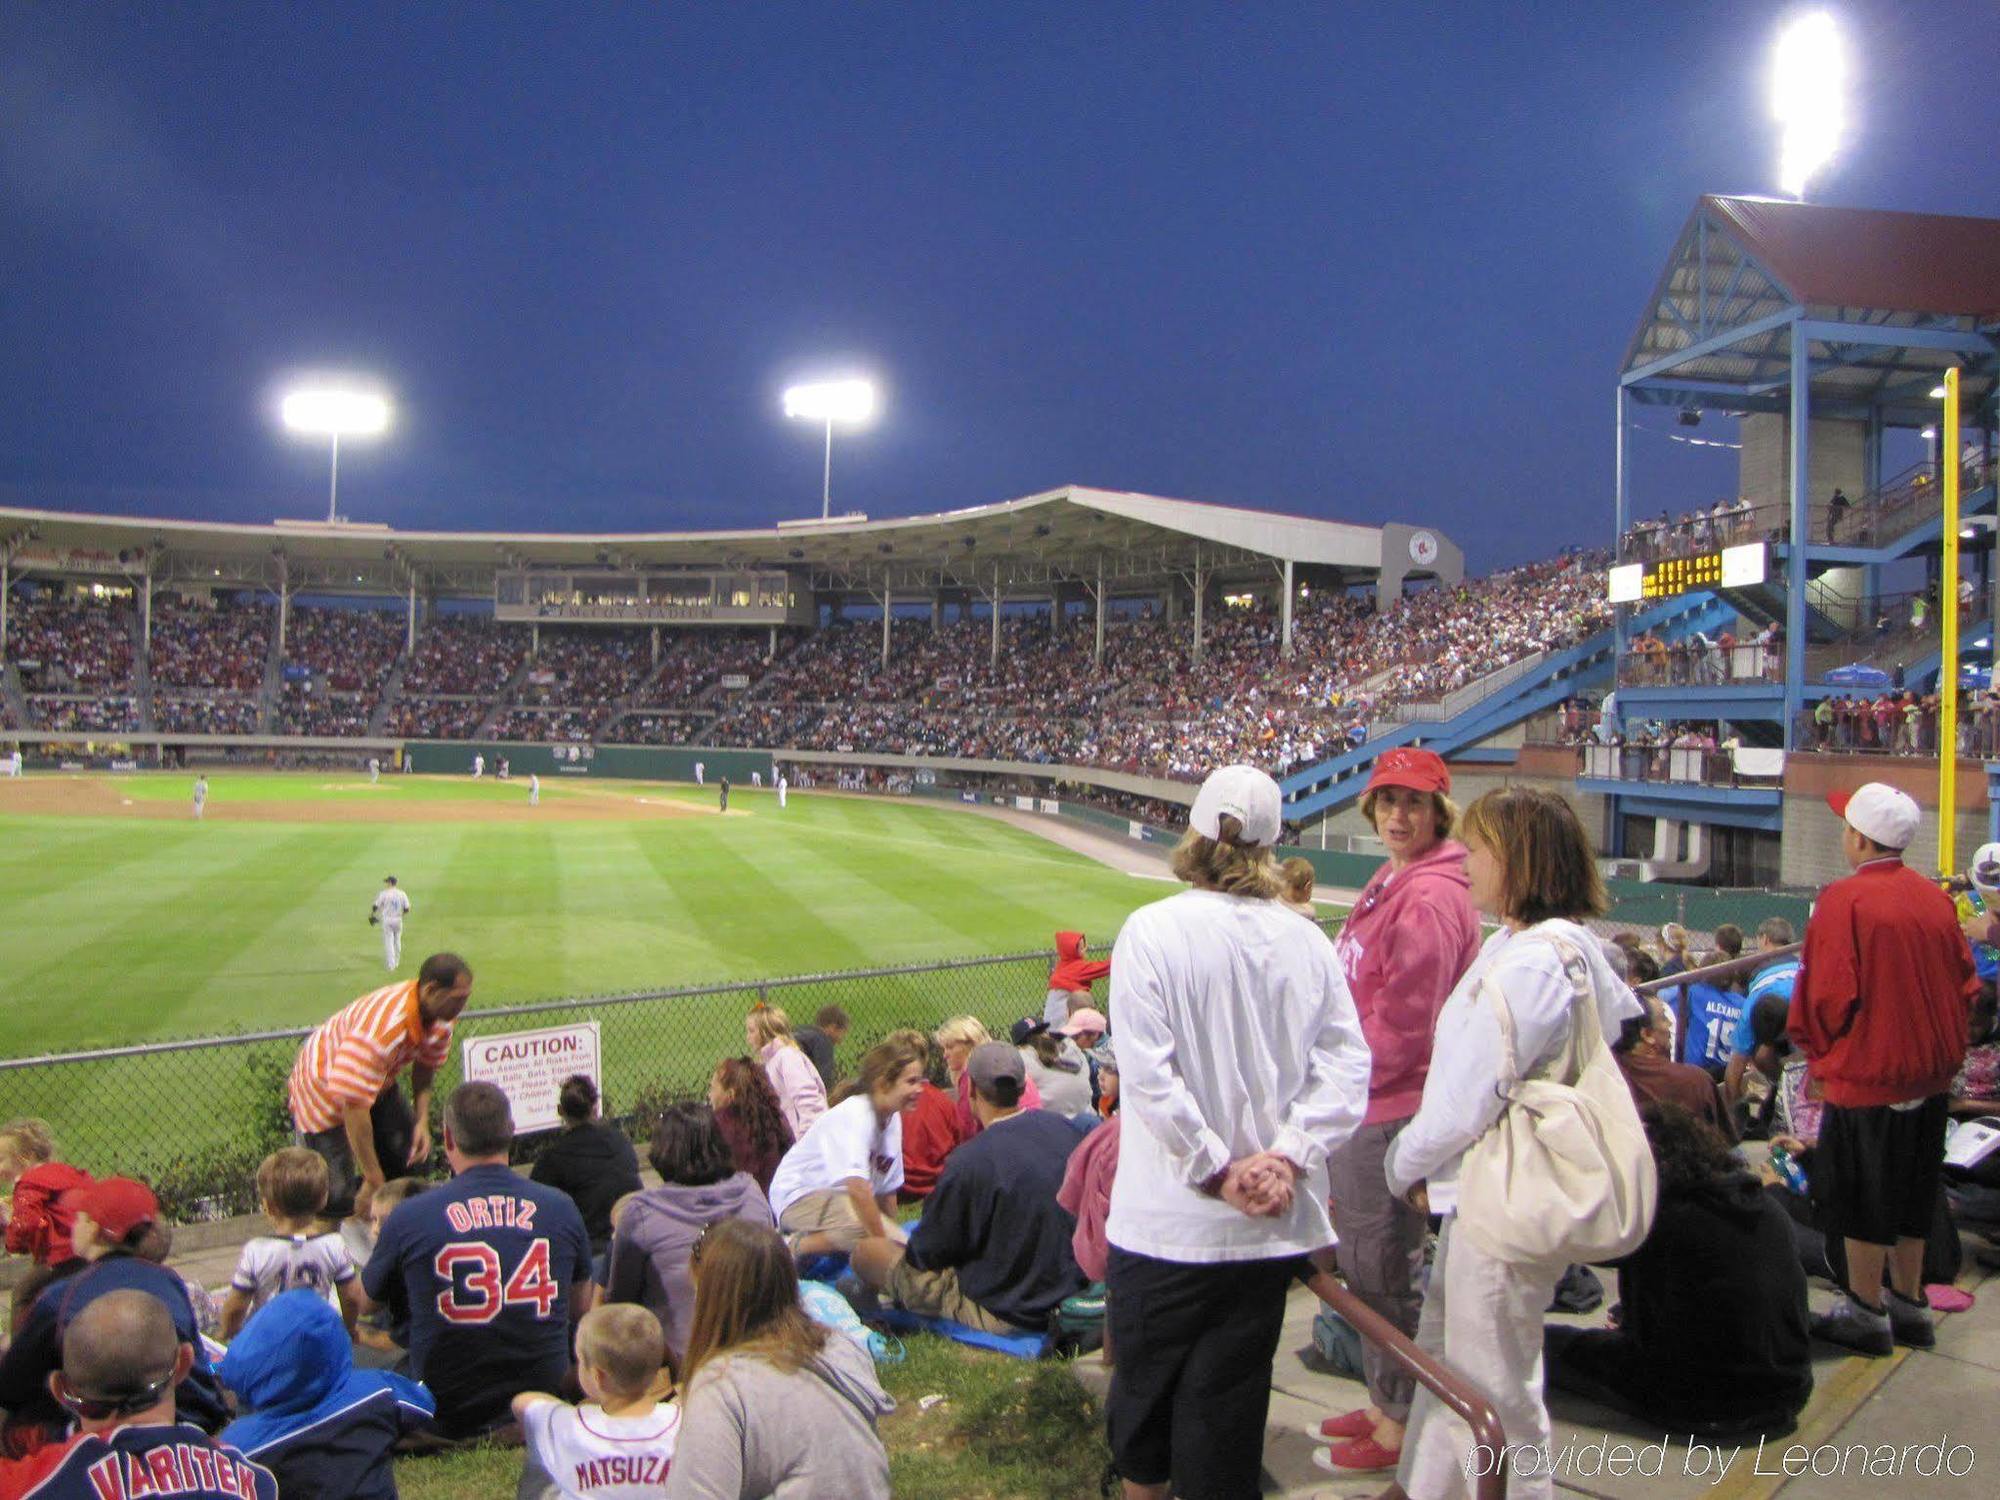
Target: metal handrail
{"x":1729,"y":969}
{"x":1453,"y":1389}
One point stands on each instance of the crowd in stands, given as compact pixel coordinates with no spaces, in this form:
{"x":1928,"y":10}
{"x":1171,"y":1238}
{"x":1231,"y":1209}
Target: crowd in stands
{"x":80,"y":647}
{"x":584,"y":668}
{"x":222,"y":644}
{"x":436,"y":718}
{"x":115,"y":713}
{"x":465,"y":656}
{"x":1118,"y":1169}
{"x":212,"y":713}
{"x":659,"y":728}
{"x":336,"y":661}
{"x":568,"y":726}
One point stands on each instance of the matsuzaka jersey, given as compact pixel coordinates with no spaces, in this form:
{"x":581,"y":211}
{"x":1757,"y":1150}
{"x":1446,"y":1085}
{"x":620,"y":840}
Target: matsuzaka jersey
{"x":594,"y":1457}
{"x":392,"y":905}
{"x":487,"y":1263}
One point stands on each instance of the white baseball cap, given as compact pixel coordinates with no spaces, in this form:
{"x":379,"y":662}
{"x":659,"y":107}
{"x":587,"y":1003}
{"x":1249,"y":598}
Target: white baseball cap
{"x":1245,"y":794}
{"x":1984,"y":871}
{"x":1879,"y":812}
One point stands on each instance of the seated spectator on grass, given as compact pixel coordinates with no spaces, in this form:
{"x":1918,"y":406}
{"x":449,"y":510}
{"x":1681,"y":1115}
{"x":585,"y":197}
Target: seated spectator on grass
{"x":992,"y":1250}
{"x":590,"y":1160}
{"x":1644,"y":1050}
{"x":38,"y":1222}
{"x":388,"y":1327}
{"x":699,"y":1183}
{"x":749,"y":1117}
{"x":327,"y":1430}
{"x":1714,"y":1339}
{"x":930,"y":1126}
{"x":494,"y":1270}
{"x":838,"y":1185}
{"x":955,"y":1039}
{"x":120,"y":1243}
{"x":620,"y":1442}
{"x":1057,"y":1066}
{"x":794,"y":1079}
{"x":1086,"y":1195}
{"x":828,"y":1030}
{"x":1072,"y":976}
{"x":774,"y":1403}
{"x":1104,"y":1061}
{"x":124,"y":1364}
{"x":291,"y":1191}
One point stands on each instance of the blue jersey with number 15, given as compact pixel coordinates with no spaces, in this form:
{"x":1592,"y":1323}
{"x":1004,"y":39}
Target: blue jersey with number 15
{"x":486,"y":1262}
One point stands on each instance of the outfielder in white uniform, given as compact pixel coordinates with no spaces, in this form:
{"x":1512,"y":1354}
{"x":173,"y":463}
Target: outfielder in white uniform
{"x":534,"y":790}
{"x":388,"y":913}
{"x":374,"y":770}
{"x":478,"y":766}
{"x":783,"y":786}
{"x":200,"y":795}
{"x":757,"y":778}
{"x":699,"y":771}
{"x":12,"y":764}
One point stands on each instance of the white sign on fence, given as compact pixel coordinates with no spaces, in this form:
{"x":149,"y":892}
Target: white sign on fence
{"x":1024,"y":804}
{"x":530,"y":1066}
{"x":1049,"y":805}
{"x":1135,"y":830}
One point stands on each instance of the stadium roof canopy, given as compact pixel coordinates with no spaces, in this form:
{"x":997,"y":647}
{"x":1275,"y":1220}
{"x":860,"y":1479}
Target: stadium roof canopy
{"x":1039,"y":541}
{"x":1883,"y":302}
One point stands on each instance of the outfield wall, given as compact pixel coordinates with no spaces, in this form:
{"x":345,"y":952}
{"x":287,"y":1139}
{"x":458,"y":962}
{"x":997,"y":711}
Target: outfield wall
{"x":621,"y":762}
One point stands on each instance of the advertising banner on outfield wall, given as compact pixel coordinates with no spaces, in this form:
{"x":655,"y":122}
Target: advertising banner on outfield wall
{"x":530,"y":1066}
{"x":1049,"y":805}
{"x":1024,"y":804}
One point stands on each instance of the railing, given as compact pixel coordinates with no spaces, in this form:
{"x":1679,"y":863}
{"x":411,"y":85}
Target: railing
{"x":1460,"y":699}
{"x":1682,"y":764}
{"x":1685,"y":663}
{"x":1902,"y":504}
{"x":1450,"y":1387}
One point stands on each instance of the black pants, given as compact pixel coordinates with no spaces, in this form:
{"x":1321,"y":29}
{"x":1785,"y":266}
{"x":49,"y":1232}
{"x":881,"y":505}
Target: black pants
{"x":393,"y":1124}
{"x":1877,"y":1171}
{"x":1192,"y":1386}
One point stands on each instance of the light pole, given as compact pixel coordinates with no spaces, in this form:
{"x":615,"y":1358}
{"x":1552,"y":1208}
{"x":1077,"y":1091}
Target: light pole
{"x":331,"y":412}
{"x":830,"y":401}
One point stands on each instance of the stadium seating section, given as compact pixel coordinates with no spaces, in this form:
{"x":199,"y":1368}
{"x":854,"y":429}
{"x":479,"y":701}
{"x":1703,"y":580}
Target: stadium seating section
{"x":1152,"y":707}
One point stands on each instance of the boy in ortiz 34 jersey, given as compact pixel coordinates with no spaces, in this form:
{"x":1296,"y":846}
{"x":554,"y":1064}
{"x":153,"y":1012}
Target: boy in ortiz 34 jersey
{"x":619,"y":1444}
{"x":493,"y":1268}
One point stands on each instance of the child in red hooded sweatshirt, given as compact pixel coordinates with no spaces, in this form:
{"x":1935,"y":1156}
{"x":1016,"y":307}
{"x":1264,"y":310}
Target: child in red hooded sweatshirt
{"x":37,"y":1224}
{"x":1073,"y":975}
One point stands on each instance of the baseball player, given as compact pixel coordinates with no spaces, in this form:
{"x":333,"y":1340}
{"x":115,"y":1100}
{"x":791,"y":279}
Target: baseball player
{"x":200,"y":796}
{"x":534,"y":790}
{"x":757,"y":779}
{"x":783,"y":787}
{"x":12,"y":764}
{"x":725,"y":793}
{"x":478,"y":766}
{"x":374,"y":770}
{"x":391,"y":906}
{"x":699,"y":771}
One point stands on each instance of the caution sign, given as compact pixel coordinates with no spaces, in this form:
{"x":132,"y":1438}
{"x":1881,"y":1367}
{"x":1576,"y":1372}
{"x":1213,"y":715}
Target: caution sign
{"x":530,"y":1066}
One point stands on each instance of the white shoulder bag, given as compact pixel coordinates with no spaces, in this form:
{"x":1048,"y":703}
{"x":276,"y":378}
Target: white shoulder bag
{"x":1566,"y":1173}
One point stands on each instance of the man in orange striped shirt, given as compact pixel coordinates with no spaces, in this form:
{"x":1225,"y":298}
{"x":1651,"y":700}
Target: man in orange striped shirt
{"x":355,"y":1058}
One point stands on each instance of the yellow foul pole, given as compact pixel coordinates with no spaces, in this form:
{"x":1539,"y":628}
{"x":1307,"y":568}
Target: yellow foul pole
{"x":1948,"y":643}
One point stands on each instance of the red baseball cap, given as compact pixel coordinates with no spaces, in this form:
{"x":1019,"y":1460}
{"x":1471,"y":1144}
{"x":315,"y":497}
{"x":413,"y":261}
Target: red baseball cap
{"x":116,"y":1205}
{"x":1419,"y":770}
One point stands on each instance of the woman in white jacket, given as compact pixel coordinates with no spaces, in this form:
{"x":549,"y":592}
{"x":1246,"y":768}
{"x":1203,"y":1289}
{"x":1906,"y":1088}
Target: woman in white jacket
{"x":1532,"y":869}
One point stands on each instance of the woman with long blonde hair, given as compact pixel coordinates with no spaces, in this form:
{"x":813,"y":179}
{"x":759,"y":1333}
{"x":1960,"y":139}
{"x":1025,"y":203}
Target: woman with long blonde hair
{"x":774,"y":1403}
{"x":801,"y":1091}
{"x":956,"y":1038}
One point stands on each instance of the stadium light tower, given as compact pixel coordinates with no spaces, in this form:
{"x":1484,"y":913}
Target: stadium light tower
{"x":831,"y":401}
{"x":1808,"y":82}
{"x":335,"y":412}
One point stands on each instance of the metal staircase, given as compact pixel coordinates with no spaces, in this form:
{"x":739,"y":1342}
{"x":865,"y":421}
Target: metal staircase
{"x":392,"y":689}
{"x":10,"y":689}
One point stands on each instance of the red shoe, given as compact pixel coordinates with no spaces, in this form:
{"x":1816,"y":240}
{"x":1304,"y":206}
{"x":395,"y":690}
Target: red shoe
{"x":1356,"y":1424}
{"x":1362,"y":1455}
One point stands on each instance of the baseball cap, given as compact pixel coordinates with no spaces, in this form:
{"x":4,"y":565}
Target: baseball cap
{"x":1245,"y":794}
{"x":1984,"y":871}
{"x":1879,"y":812}
{"x":116,"y":1205}
{"x":1024,"y":1028}
{"x":1104,"y":1056}
{"x":1085,"y":1020}
{"x":1406,"y":766}
{"x":997,"y":1072}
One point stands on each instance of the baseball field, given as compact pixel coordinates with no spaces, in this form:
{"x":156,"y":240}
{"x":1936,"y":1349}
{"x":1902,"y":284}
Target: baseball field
{"x":127,"y":919}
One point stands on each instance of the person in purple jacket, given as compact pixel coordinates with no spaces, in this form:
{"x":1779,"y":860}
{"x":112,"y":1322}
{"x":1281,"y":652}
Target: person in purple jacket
{"x":1412,"y":933}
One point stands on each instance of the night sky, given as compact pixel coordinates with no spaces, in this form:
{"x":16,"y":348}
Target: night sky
{"x":1364,"y":262}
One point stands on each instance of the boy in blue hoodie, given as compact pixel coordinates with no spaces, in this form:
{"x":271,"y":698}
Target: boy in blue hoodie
{"x":324,"y":1428}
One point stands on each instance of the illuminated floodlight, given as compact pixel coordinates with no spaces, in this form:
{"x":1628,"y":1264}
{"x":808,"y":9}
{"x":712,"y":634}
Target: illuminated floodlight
{"x":1808,"y":85}
{"x":851,"y":402}
{"x":334,"y":412}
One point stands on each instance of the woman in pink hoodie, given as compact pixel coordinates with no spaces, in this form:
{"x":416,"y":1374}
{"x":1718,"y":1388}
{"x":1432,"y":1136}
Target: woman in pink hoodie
{"x":1412,"y":933}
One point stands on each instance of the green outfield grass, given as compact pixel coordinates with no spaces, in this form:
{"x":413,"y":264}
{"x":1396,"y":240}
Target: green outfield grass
{"x":123,"y":928}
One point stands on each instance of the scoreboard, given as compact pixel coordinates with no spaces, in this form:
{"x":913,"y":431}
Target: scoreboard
{"x":1723,"y":568}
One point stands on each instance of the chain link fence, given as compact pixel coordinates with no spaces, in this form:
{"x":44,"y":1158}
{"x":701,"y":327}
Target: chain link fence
{"x":194,"y":1117}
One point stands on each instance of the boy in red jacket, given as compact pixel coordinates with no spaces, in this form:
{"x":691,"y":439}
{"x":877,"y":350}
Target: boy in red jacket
{"x":1073,"y":975}
{"x":1881,"y":1009}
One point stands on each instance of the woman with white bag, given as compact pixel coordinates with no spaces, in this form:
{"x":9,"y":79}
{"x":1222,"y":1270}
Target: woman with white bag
{"x":1527,"y":1141}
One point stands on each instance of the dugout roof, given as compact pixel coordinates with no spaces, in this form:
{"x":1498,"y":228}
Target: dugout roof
{"x":1067,"y":533}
